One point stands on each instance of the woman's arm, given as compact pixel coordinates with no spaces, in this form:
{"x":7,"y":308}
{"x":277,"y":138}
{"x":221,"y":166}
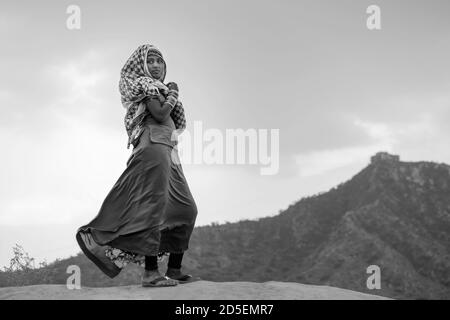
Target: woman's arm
{"x":136,"y":89}
{"x":159,"y":108}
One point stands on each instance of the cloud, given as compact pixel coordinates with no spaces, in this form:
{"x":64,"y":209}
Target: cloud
{"x":62,"y":143}
{"x":320,"y":162}
{"x":40,"y":209}
{"x":61,"y":179}
{"x":82,"y":85}
{"x":78,"y":83}
{"x":394,"y":137}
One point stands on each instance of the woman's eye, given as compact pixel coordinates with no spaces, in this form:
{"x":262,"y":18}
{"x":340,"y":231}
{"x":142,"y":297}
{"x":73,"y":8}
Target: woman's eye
{"x":151,"y":61}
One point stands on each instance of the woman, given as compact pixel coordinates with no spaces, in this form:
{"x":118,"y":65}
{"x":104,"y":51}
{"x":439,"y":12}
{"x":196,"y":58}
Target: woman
{"x":150,"y":210}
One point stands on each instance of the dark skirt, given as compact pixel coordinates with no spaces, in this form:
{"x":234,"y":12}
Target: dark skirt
{"x":150,"y":209}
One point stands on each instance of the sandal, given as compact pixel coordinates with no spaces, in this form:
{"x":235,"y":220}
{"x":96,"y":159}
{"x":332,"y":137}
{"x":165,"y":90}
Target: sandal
{"x":182,"y":277}
{"x":185,"y":278}
{"x":96,"y":253}
{"x":161,"y":281}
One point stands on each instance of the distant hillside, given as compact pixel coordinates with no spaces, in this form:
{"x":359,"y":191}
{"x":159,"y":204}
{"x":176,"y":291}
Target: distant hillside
{"x":392,"y":214}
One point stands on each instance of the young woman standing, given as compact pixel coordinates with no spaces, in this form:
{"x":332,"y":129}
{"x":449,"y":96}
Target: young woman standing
{"x":150,"y":210}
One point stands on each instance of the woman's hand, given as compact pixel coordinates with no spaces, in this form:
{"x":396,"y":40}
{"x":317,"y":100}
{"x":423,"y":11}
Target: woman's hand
{"x":173,"y":90}
{"x":159,"y":110}
{"x":172,"y":86}
{"x":162,"y":99}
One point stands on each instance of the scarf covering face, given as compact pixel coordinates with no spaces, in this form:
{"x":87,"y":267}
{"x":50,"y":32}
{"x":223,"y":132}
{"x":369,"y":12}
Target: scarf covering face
{"x":135,"y":84}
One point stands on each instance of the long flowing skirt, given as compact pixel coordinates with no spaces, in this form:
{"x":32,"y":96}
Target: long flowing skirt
{"x":149,"y":211}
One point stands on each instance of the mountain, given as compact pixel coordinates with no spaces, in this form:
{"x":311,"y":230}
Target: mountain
{"x":392,"y":214}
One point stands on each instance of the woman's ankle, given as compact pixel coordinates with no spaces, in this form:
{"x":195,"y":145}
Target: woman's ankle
{"x":175,"y":260}
{"x":151,"y":274}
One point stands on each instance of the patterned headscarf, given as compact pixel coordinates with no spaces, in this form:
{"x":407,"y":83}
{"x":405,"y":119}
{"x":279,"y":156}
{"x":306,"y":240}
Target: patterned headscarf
{"x":135,"y":84}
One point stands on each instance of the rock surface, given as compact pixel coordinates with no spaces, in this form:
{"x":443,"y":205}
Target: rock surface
{"x":205,"y":290}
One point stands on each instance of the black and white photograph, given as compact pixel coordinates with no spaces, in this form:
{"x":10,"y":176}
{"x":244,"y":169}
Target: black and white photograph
{"x":236,"y":152}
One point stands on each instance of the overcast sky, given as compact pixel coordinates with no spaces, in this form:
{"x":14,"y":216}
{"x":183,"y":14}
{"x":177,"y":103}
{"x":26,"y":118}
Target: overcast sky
{"x":337,"y":92}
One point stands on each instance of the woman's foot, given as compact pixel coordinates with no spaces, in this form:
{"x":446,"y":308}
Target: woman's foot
{"x":152,"y":278}
{"x":96,"y":253}
{"x":181,"y":277}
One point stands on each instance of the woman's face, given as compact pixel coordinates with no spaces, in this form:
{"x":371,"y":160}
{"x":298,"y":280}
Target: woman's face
{"x":155,"y":66}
